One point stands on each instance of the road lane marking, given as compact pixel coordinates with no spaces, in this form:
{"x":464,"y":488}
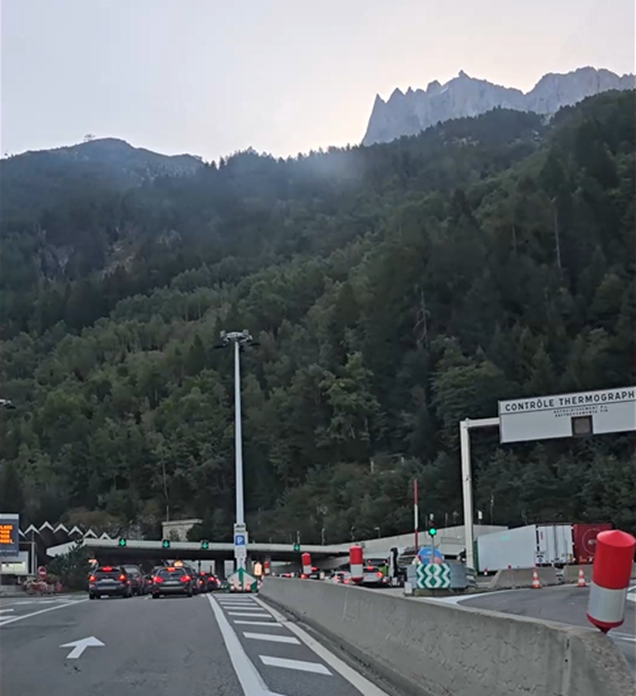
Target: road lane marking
{"x":299,"y":665}
{"x":362,"y":684}
{"x":237,"y":604}
{"x":5,"y":610}
{"x":257,"y":623}
{"x":79,"y":646}
{"x":260,"y":615}
{"x":249,"y":678}
{"x":4,"y":622}
{"x":271,"y":637}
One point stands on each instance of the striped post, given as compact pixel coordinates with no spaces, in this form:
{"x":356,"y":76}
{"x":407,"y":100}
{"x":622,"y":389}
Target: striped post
{"x":305,"y":560}
{"x":355,"y":563}
{"x":610,"y":579}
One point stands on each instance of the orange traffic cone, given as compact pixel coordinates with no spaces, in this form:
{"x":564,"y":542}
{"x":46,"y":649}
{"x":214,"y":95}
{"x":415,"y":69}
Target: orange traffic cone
{"x":536,"y":583}
{"x":581,"y":581}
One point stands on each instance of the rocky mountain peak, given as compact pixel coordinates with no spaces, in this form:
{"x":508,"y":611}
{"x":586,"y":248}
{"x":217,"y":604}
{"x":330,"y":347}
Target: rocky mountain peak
{"x":411,"y":112}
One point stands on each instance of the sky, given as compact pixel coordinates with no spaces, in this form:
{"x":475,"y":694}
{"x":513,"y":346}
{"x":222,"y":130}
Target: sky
{"x":210,"y":77}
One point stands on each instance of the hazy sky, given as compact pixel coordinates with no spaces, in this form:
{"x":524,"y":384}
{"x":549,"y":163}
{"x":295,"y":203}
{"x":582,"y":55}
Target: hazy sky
{"x":212,"y":76}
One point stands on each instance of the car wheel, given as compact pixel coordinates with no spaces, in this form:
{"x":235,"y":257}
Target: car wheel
{"x":92,"y":596}
{"x":155,"y":595}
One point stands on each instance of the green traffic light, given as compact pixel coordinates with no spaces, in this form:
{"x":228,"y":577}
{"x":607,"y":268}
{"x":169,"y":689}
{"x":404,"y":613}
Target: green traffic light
{"x":296,"y":547}
{"x":205,"y":545}
{"x":165,"y":543}
{"x":122,"y":542}
{"x":432,"y":531}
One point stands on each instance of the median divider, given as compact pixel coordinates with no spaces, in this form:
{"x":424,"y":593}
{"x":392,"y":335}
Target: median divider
{"x":429,"y":648}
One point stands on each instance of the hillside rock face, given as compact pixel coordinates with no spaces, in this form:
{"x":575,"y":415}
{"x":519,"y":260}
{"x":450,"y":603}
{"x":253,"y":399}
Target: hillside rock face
{"x":411,"y":112}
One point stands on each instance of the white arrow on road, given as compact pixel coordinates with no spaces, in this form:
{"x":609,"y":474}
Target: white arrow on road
{"x":80,"y":645}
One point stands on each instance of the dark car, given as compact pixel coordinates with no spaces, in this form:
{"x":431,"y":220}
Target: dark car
{"x":110,"y":581}
{"x":171,"y":580}
{"x":207,"y":582}
{"x":136,"y":579}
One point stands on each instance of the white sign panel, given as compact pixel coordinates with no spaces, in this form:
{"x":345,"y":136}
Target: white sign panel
{"x":240,"y":553}
{"x":239,"y":528}
{"x":568,"y":415}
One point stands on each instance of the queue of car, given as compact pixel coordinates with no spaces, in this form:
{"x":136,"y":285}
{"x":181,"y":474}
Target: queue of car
{"x":130,"y":580}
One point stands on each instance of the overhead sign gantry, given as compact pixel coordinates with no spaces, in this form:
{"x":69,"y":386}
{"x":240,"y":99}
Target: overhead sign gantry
{"x":580,"y":414}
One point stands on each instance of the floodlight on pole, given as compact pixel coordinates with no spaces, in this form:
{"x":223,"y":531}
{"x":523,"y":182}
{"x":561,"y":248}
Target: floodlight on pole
{"x":238,"y":339}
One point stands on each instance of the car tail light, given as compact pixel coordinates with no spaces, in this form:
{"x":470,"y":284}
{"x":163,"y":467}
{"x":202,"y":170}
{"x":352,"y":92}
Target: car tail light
{"x":106,"y":569}
{"x":91,"y":578}
{"x":379,"y":574}
{"x":185,"y":578}
{"x":122,"y":577}
{"x":303,"y":576}
{"x":157,"y":579}
{"x":346,"y":581}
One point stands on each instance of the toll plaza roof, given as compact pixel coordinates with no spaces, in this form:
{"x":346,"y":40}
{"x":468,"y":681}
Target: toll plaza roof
{"x":136,"y":548}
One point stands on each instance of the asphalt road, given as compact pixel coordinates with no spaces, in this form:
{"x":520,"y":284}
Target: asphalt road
{"x":565,"y":604}
{"x":208,"y":644}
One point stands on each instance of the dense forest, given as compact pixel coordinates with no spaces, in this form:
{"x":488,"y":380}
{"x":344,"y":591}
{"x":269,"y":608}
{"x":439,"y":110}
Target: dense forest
{"x":393,"y":290}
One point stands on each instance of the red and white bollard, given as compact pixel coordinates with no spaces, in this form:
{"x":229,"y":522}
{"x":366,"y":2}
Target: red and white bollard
{"x":355,"y":563}
{"x":610,"y":579}
{"x":305,"y":561}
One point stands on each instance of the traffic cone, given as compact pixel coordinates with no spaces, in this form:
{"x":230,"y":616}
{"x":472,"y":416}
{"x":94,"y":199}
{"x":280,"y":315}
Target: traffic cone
{"x":536,"y":583}
{"x":581,"y":581}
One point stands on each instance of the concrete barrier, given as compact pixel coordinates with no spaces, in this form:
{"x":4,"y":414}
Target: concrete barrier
{"x":522,"y":577}
{"x":432,"y":649}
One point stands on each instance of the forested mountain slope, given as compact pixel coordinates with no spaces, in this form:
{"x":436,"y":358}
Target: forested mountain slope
{"x":393,"y":289}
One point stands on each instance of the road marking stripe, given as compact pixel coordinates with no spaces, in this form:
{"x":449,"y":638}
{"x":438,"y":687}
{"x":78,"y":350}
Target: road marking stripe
{"x":272,"y":638}
{"x":4,"y":622}
{"x":247,"y":614}
{"x":237,"y":604}
{"x":251,"y":681}
{"x":299,"y":665}
{"x":257,"y":623}
{"x":362,"y":684}
{"x":5,"y":610}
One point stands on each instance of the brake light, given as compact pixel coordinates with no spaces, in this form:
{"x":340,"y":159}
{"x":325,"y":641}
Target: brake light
{"x":303,"y":576}
{"x":185,"y":578}
{"x":122,"y":577}
{"x":379,"y":574}
{"x":91,"y":578}
{"x":157,"y":579}
{"x":170,"y":569}
{"x":346,"y":581}
{"x":106,"y":569}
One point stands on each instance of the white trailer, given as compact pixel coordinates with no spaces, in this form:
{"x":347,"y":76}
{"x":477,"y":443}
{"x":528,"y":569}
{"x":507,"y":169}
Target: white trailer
{"x":525,"y":547}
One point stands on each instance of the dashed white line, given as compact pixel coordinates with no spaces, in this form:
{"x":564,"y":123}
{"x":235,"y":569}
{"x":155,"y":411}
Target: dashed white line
{"x":245,"y":614}
{"x":272,"y":638}
{"x":362,"y":684}
{"x":299,"y":665}
{"x":257,"y":623}
{"x":251,"y":681}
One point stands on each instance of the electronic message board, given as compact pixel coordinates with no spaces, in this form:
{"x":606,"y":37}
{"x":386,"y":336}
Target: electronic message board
{"x":9,"y":534}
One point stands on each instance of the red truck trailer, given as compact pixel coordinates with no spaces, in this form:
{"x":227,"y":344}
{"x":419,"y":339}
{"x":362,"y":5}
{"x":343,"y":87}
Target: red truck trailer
{"x":584,"y":537}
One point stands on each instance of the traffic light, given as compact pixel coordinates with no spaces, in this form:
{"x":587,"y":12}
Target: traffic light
{"x":165,"y":543}
{"x":432,"y":531}
{"x":205,"y":545}
{"x":296,"y":547}
{"x":122,"y":542}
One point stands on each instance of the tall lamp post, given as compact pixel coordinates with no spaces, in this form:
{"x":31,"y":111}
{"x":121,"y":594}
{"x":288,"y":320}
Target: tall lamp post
{"x":238,"y":339}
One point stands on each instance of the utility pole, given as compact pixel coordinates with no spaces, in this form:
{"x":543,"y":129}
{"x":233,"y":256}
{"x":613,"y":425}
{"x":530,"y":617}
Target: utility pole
{"x":238,"y":339}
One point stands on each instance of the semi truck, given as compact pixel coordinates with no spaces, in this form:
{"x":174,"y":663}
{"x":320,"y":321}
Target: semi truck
{"x":538,"y":545}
